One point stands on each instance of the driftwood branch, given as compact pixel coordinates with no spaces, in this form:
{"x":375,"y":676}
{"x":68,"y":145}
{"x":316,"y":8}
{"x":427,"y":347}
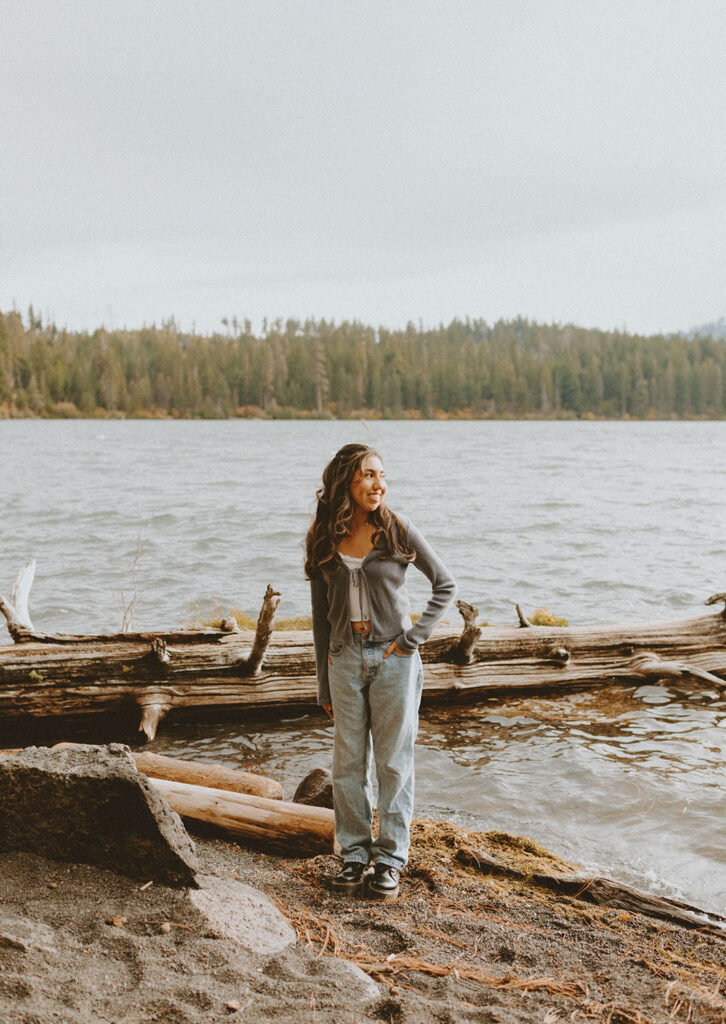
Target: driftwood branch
{"x":604,"y":892}
{"x":154,"y":705}
{"x":464,"y":651}
{"x":263,"y":633}
{"x":715,"y":599}
{"x":15,"y":608}
{"x":648,"y":664}
{"x":160,"y":650}
{"x":523,"y":620}
{"x":26,"y":636}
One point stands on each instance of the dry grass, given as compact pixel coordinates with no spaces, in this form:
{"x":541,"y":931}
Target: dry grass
{"x":447,"y":909}
{"x":211,"y":618}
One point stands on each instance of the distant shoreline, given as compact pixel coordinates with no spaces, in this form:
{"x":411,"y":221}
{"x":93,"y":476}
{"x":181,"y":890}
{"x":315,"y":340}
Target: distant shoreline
{"x":461,"y":417}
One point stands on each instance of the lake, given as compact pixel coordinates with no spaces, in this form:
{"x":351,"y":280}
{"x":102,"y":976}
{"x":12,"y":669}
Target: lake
{"x":599,"y":522}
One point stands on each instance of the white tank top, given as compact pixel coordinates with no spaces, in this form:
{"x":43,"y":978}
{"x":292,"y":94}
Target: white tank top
{"x":360,"y":610}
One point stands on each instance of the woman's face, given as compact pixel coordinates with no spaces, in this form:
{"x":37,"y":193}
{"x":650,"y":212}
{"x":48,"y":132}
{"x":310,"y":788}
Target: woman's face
{"x":368,"y":486}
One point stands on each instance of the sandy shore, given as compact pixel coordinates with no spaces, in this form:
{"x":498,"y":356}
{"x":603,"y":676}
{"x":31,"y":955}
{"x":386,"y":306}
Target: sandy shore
{"x":80,"y":944}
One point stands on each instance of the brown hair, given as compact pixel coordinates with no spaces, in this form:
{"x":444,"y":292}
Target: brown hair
{"x":334,"y":516}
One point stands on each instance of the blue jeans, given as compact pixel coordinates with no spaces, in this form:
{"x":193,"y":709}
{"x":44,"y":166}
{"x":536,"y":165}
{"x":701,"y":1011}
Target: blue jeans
{"x":375,"y":704}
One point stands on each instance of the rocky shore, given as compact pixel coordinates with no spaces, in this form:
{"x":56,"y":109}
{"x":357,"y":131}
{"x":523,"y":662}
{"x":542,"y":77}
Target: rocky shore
{"x":256,"y":936}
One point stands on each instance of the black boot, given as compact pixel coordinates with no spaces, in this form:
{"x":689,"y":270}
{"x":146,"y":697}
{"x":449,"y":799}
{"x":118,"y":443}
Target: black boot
{"x":350,"y":878}
{"x":383,"y":885}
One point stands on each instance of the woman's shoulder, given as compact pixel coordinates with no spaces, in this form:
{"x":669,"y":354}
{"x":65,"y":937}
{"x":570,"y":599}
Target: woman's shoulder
{"x":400,"y":524}
{"x":411,"y":536}
{"x":399,"y":518}
{"x":406,"y":537}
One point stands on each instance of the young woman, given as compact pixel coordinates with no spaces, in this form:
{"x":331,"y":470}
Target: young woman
{"x":368,"y":666}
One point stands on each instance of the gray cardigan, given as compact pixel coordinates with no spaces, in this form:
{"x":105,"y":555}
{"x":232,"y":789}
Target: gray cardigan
{"x":385,"y":581}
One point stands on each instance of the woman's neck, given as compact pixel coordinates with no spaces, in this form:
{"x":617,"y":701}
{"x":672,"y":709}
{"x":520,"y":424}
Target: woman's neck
{"x":359,"y":541}
{"x":360,"y":520}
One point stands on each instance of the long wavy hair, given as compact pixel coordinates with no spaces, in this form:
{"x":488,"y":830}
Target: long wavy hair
{"x":334,"y":516}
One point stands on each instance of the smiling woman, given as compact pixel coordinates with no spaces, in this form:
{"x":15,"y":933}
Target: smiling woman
{"x":369,"y":670}
{"x":367,"y":489}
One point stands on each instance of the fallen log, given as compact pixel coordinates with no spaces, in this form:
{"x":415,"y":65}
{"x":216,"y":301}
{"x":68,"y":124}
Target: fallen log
{"x":45,"y":674}
{"x":604,"y":892}
{"x":272,"y":823}
{"x":215,"y":776}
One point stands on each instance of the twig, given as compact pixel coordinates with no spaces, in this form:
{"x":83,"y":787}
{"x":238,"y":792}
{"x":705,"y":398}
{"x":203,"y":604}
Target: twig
{"x":128,"y":607}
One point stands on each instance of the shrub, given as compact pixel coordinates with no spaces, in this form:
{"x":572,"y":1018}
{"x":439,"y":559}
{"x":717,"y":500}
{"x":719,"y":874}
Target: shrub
{"x":544,"y":617}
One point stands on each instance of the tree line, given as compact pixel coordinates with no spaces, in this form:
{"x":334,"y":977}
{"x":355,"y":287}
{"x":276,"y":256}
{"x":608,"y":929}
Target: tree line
{"x":317,"y":368}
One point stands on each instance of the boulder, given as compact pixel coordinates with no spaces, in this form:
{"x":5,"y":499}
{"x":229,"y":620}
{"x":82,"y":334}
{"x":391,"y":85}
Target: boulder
{"x":223,"y":908}
{"x":89,"y":804}
{"x":316,"y":789}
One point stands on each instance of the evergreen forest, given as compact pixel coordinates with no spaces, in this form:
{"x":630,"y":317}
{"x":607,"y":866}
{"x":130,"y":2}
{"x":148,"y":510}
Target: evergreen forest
{"x":290,"y":369}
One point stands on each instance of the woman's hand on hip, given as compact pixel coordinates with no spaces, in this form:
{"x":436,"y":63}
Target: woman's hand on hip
{"x":393,"y":648}
{"x":328,"y":709}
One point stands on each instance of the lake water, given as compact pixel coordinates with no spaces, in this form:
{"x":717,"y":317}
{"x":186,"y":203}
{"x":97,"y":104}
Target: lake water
{"x":600,"y":522}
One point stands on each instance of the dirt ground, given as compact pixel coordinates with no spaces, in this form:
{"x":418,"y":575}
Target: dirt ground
{"x":457,"y":945}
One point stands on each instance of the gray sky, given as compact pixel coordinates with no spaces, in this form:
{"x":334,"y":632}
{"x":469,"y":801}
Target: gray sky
{"x":386,"y":161}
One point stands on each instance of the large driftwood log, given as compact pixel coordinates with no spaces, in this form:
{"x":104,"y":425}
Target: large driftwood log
{"x":269,"y":822}
{"x":66,"y":674}
{"x":45,"y":674}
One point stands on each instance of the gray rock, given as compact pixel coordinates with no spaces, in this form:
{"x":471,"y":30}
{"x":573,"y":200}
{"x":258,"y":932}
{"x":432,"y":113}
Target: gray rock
{"x":20,"y":933}
{"x":334,"y":980}
{"x":89,"y":804}
{"x":226,"y":909}
{"x":316,"y":789}
{"x":348,"y":978}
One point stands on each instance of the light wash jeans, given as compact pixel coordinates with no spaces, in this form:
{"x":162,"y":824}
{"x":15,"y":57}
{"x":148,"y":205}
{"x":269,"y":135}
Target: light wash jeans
{"x":375,"y":704}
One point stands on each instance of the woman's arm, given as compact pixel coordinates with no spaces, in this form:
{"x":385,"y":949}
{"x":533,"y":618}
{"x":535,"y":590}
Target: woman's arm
{"x":321,"y":636}
{"x":443,"y":591}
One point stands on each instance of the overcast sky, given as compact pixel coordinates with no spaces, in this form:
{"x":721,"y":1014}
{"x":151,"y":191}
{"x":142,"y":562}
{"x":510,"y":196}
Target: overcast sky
{"x":385,"y":161}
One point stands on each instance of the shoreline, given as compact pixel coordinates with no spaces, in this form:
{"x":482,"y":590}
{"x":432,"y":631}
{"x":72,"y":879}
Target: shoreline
{"x":458,"y":945}
{"x":365,"y":415}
